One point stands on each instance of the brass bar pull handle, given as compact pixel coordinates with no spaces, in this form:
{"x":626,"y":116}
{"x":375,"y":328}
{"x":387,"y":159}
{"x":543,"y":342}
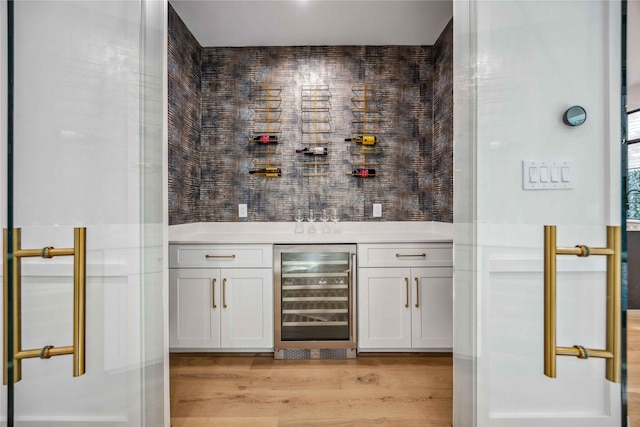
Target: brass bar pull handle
{"x":213,"y":293}
{"x":220,"y":256}
{"x":224,"y":293}
{"x":584,"y":251}
{"x":583,"y":353}
{"x":78,"y":349}
{"x":46,"y":352}
{"x":417,"y":292}
{"x":79,"y":300}
{"x":352,"y":284}
{"x":612,"y":353}
{"x":411,"y":255}
{"x":614,"y":304}
{"x":406,"y":281}
{"x":13,"y":266}
{"x":46,"y":252}
{"x":550,"y":301}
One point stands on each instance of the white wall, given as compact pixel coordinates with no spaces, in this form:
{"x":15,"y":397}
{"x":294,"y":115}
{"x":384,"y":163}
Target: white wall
{"x":518,"y":65}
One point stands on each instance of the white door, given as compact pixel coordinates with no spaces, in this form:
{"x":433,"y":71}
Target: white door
{"x":247,"y":308}
{"x":431,"y":308}
{"x":384,"y":308}
{"x":82,"y":98}
{"x":518,"y":66}
{"x":194,"y":308}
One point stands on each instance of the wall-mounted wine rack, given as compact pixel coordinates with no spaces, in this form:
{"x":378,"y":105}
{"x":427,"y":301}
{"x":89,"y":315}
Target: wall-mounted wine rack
{"x":365,"y":130}
{"x":266,"y":130}
{"x":316,"y":129}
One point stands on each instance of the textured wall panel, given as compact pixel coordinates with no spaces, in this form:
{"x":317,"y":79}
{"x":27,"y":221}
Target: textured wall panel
{"x":183,"y":63}
{"x":410,"y":184}
{"x":442,"y":194}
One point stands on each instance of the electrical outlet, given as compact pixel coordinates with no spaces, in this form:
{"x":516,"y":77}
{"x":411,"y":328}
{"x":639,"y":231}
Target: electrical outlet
{"x":377,"y":210}
{"x":242,"y":211}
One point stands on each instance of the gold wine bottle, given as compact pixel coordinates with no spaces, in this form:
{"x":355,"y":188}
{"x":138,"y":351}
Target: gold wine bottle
{"x":268,"y":172}
{"x":363,"y":139}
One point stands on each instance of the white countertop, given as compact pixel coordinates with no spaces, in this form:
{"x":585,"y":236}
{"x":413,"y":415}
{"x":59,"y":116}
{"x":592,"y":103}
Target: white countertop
{"x":284,"y":232}
{"x":633,"y":225}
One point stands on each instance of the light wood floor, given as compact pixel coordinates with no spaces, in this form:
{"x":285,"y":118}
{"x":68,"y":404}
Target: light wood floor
{"x":255,"y":391}
{"x":260,"y":391}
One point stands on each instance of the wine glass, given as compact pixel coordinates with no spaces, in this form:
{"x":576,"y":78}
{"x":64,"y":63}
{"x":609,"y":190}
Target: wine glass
{"x":311,"y":218}
{"x":299,"y":218}
{"x":325,"y":217}
{"x":335,"y":218}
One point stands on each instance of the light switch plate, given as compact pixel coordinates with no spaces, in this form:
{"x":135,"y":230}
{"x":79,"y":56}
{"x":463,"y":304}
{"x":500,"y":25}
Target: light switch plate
{"x":548,"y":174}
{"x":377,"y":210}
{"x":242,"y":211}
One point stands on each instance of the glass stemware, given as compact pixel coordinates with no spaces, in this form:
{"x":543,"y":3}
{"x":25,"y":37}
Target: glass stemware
{"x":311,"y":218}
{"x":335,"y":218}
{"x":325,"y":217}
{"x":299,"y":218}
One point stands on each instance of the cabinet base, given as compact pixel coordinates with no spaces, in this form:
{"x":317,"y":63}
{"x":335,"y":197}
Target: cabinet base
{"x":314,"y":353}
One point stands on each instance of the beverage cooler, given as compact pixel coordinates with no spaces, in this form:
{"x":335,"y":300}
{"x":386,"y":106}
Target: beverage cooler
{"x":314,"y":301}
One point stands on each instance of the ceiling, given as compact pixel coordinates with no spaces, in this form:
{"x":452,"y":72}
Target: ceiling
{"x":225,"y":23}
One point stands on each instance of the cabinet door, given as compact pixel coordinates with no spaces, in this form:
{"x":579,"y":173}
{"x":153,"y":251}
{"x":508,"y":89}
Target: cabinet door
{"x":432,"y":308}
{"x":247,"y":308}
{"x":384,"y":308}
{"x":194,"y":308}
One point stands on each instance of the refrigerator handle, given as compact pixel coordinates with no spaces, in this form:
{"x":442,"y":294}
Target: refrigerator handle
{"x":352,"y":291}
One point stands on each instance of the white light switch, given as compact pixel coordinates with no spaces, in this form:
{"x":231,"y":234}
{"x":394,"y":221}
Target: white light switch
{"x":377,"y":210}
{"x":242,"y":211}
{"x":548,"y":174}
{"x":544,"y":174}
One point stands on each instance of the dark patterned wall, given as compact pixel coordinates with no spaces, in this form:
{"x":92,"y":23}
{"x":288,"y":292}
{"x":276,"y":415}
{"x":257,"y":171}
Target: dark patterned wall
{"x":408,"y":185}
{"x":442,"y":208}
{"x":184,"y":80}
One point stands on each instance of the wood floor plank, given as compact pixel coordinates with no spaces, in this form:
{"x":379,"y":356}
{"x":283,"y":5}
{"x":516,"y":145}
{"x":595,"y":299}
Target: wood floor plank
{"x":256,"y":391}
{"x":225,"y":422}
{"x":380,"y":390}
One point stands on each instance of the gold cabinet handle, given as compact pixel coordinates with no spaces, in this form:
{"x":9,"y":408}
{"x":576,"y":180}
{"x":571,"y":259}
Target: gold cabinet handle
{"x":417,"y":292}
{"x":213,"y":293}
{"x":612,"y":352}
{"x":224,"y":293}
{"x":406,"y":282}
{"x":220,"y":256}
{"x":79,"y":303}
{"x":411,"y":255}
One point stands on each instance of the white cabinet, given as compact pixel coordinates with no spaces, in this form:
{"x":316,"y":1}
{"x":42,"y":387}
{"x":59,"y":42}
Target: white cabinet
{"x":405,"y":297}
{"x":194,"y":316}
{"x":225,"y":308}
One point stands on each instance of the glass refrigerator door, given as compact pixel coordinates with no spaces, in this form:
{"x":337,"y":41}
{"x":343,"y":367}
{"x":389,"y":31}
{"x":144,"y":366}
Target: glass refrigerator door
{"x":315,"y":296}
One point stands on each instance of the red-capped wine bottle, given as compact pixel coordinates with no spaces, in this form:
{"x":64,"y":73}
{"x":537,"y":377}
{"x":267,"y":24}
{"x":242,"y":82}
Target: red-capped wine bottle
{"x":364,"y":173}
{"x":265,"y":139}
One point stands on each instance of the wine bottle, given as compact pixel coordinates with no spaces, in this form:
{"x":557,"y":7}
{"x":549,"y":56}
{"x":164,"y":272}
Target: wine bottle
{"x":316,"y":151}
{"x":363,"y":173}
{"x":265,"y":139}
{"x":364,"y":139}
{"x":268,"y":172}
